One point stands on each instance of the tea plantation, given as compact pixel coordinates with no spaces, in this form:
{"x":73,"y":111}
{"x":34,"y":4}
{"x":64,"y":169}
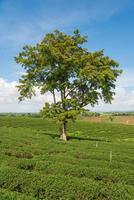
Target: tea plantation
{"x":97,"y":162}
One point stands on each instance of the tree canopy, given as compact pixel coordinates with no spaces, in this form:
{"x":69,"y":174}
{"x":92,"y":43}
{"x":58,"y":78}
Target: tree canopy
{"x":75,"y":76}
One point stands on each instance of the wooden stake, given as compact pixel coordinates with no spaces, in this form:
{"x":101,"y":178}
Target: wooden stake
{"x":111,"y":156}
{"x":96,"y":144}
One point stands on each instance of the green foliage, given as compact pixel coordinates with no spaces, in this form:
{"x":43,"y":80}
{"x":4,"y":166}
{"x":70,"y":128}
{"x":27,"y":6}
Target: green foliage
{"x":8,"y":195}
{"x":122,"y":113}
{"x":56,"y":110}
{"x":59,"y":64}
{"x":111,"y":118}
{"x":36,"y":165}
{"x":87,"y":113}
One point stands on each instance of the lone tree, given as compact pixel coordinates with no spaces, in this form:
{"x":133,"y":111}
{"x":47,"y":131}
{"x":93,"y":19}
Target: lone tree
{"x":74,"y":76}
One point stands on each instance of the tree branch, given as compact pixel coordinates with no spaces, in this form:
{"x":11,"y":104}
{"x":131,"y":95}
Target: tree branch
{"x":54,"y":96}
{"x":70,"y":92}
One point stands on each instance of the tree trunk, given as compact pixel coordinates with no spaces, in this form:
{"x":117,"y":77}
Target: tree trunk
{"x":63,"y":135}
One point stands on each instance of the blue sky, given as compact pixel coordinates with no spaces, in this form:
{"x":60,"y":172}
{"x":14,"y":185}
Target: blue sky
{"x":109,"y":25}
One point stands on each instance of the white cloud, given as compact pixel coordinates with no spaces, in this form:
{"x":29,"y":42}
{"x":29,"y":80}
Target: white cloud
{"x":9,"y":99}
{"x":123,"y":101}
{"x":126,"y":79}
{"x":124,"y":95}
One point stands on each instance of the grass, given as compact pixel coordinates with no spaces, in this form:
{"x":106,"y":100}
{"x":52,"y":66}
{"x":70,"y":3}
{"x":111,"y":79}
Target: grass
{"x":35,"y":164}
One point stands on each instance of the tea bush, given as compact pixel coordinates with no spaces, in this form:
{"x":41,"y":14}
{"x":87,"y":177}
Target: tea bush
{"x":36,"y":165}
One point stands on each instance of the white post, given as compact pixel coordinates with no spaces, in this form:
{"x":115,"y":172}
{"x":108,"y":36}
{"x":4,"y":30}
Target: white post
{"x":111,"y":156}
{"x":96,"y":144}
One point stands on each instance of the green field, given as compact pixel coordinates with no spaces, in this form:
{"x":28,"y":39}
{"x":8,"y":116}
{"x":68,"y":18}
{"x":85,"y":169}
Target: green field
{"x":35,"y":164}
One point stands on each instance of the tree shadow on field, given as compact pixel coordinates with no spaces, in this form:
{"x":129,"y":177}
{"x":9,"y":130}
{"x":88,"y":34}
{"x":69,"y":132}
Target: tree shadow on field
{"x":56,"y":136}
{"x":85,"y":138}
